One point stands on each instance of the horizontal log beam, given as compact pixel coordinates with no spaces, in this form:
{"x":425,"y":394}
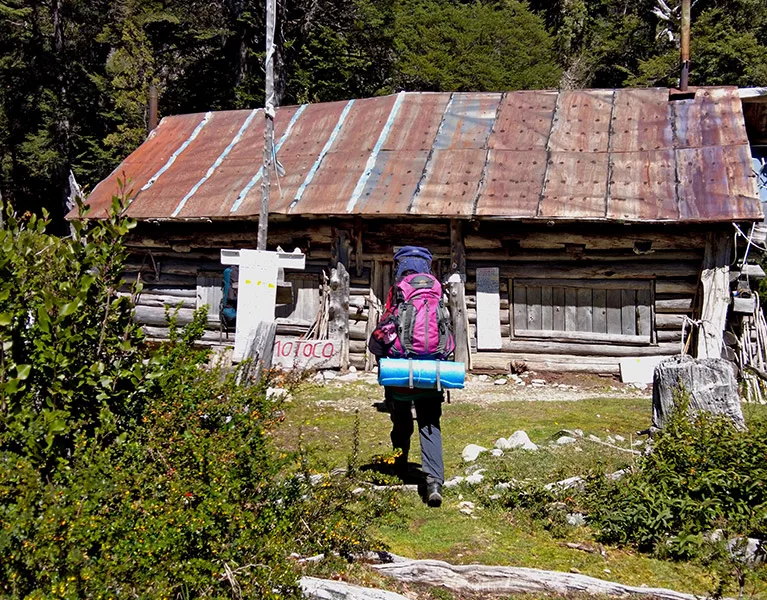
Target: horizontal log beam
{"x":545,"y":362}
{"x":585,"y":349}
{"x":584,"y":336}
{"x":679,"y":305}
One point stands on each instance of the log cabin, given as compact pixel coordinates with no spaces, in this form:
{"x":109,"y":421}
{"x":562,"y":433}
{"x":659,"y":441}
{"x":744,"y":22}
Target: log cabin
{"x":575,"y":228}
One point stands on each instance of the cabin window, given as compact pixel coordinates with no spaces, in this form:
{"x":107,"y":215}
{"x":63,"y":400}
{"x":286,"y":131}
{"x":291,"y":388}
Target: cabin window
{"x":583,"y":310}
{"x":306,"y":299}
{"x":209,"y":292}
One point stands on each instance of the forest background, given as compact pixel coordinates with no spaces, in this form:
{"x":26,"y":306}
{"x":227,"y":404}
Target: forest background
{"x":75,"y":74}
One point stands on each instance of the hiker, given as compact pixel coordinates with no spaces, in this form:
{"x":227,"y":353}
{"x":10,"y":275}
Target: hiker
{"x":398,"y":335}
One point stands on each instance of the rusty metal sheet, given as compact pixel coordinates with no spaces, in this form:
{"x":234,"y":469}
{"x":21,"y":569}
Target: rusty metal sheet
{"x":512,"y":184}
{"x":353,"y":149}
{"x":576,"y":186}
{"x":703,"y":187}
{"x":450,"y":183}
{"x":641,"y":121}
{"x":713,"y":118}
{"x":417,"y":122}
{"x":144,"y":162}
{"x":524,"y":121}
{"x":643,"y":186}
{"x":468,"y":120}
{"x":165,"y":194}
{"x":742,"y":183}
{"x":395,"y":178}
{"x":582,"y":121}
{"x":299,"y":152}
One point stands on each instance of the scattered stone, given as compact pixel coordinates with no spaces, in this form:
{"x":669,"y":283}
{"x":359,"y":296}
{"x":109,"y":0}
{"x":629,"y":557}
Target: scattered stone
{"x":503,"y":485}
{"x":636,"y":443}
{"x":483,"y":377}
{"x":620,"y":438}
{"x":577,"y":449}
{"x":566,"y":439}
{"x":502,"y":444}
{"x":358,"y":491}
{"x":594,"y":438}
{"x":471,"y":452}
{"x":494,"y":496}
{"x":352,"y":369}
{"x":579,"y":432}
{"x":326,"y":589}
{"x":520,"y":439}
{"x":575,"y":519}
{"x":496,"y":452}
{"x":315,"y":479}
{"x":347,"y":377}
{"x":473,"y":469}
{"x":538,"y":381}
{"x":500,"y":381}
{"x":517,"y":379}
{"x":608,"y":571}
{"x":476,"y":477}
{"x":329,"y":375}
{"x":574,"y":570}
{"x":454,"y":482}
{"x":610,"y":439}
{"x":566,"y":484}
{"x":466,"y":507}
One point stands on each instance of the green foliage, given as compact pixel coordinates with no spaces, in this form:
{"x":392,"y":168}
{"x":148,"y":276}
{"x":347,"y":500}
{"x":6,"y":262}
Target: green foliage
{"x":450,"y":46}
{"x":122,"y":469}
{"x":702,"y":474}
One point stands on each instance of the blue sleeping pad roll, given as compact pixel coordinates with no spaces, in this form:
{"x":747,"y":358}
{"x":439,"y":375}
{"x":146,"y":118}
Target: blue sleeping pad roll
{"x":424,"y":374}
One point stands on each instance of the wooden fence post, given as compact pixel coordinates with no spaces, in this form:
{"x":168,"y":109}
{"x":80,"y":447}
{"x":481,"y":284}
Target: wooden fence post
{"x":338,"y":325}
{"x":457,"y":293}
{"x":375,"y":307}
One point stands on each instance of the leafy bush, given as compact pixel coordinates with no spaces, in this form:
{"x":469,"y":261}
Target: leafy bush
{"x":701,"y":475}
{"x":129,"y":472}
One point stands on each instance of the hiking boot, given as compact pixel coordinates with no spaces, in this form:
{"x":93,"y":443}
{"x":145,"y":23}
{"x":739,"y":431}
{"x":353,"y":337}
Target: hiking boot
{"x":434,"y":494}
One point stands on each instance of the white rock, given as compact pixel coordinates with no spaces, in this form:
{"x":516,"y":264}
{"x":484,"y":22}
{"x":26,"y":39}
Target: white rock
{"x":537,"y":384}
{"x":455,"y":481}
{"x":566,"y":439}
{"x":348,"y":377}
{"x":620,"y":438}
{"x":579,"y":432}
{"x":500,"y":382}
{"x":637,"y":443}
{"x":482,"y":377}
{"x":328,"y":375}
{"x":610,"y":439}
{"x":503,"y":485}
{"x":315,"y":479}
{"x":496,"y":452}
{"x":466,"y":507}
{"x":520,"y":439}
{"x":276,"y":393}
{"x":476,"y":477}
{"x":575,"y":519}
{"x":326,"y":589}
{"x":502,"y":444}
{"x":594,"y":438}
{"x":471,"y":452}
{"x":538,"y":381}
{"x":494,"y":496}
{"x":352,"y":369}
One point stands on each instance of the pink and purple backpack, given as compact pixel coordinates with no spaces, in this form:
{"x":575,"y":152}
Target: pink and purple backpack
{"x":424,"y":328}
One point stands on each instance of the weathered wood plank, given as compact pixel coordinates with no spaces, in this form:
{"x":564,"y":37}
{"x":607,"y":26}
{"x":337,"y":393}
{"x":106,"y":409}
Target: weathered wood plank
{"x":644,"y":313}
{"x":547,"y":311}
{"x":584,"y":313}
{"x":677,"y":305}
{"x":599,"y":322}
{"x":628,"y":312}
{"x":520,"y":308}
{"x":534,"y":308}
{"x":547,"y":362}
{"x":586,"y":336}
{"x":613,"y":301}
{"x":675,"y":286}
{"x":592,"y":348}
{"x":488,"y":309}
{"x":669,"y":321}
{"x":558,"y":308}
{"x":338,"y":325}
{"x":716,"y":294}
{"x":593,"y":270}
{"x":594,"y":284}
{"x":457,"y":294}
{"x":571,"y":309}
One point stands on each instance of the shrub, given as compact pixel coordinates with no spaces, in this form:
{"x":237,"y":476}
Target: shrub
{"x":125,"y":472}
{"x":702,"y":474}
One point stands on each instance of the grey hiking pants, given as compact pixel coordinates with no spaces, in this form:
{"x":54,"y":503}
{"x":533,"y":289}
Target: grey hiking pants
{"x":428,"y":409}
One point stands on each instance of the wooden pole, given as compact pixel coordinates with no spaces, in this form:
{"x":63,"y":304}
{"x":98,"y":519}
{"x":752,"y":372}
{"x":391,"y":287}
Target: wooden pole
{"x":263,"y":215}
{"x":685,"y":46}
{"x":716,"y":294}
{"x":338,"y":325}
{"x":457,"y":293}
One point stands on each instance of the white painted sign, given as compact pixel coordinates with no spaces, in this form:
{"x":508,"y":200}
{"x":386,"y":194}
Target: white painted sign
{"x":295,"y":353}
{"x":488,"y":309}
{"x":257,"y":292}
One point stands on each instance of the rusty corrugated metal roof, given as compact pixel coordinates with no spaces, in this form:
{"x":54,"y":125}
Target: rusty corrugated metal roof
{"x":623,"y":155}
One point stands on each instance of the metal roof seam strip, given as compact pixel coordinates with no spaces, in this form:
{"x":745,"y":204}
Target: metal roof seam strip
{"x":548,"y":155}
{"x":677,"y":180}
{"x":370,"y":165}
{"x":217,"y":163}
{"x":244,"y":192}
{"x":483,"y":176}
{"x":208,"y":115}
{"x":610,"y":135}
{"x":426,"y":165}
{"x":325,"y":149}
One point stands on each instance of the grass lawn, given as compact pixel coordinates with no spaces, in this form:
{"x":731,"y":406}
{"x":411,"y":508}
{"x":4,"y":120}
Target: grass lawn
{"x":324,"y":416}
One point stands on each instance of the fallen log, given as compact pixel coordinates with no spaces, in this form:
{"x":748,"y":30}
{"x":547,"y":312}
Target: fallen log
{"x":327,"y":589}
{"x":482,"y":579}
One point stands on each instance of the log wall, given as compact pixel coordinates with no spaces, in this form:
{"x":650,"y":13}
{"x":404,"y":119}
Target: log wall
{"x":171,"y":258}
